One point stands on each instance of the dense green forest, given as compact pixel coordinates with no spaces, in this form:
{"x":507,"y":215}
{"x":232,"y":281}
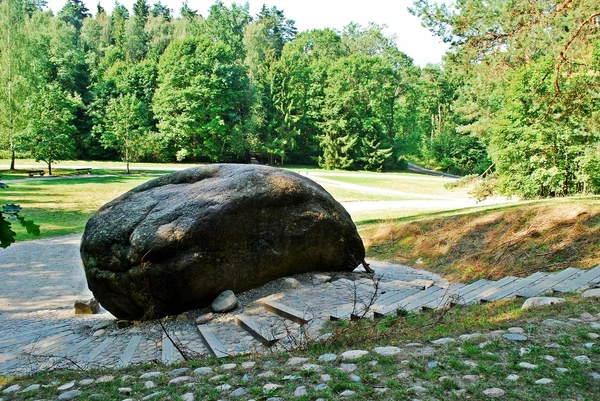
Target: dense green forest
{"x":516,"y":99}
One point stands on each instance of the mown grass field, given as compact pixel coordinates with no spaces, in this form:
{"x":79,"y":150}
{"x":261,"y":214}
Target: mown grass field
{"x":62,"y":205}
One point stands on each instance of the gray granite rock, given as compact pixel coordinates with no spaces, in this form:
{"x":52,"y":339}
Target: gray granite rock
{"x":353,"y":354}
{"x":541,"y":301}
{"x":238,"y":392}
{"x":387,"y":351}
{"x":225,"y":302}
{"x":203,"y":371}
{"x":493,"y":392}
{"x":300,"y":391}
{"x":515,"y":337}
{"x":178,"y":381}
{"x":69,"y":395}
{"x":443,"y":341}
{"x":205,"y":318}
{"x":544,"y":381}
{"x":178,"y":372}
{"x":592,"y":293}
{"x":327,"y":357}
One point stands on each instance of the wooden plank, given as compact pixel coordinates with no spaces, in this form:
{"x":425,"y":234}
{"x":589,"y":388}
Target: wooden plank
{"x":75,"y":347}
{"x":510,"y":291}
{"x":169,"y":353}
{"x":98,"y":349}
{"x":582,"y":282}
{"x":548,"y":283}
{"x":476,"y":296}
{"x":256,"y":330}
{"x":212,"y":342}
{"x":465,"y":291}
{"x":439,"y":303}
{"x":129,"y":350}
{"x":34,"y":336}
{"x":425,"y":299}
{"x":394,"y":306}
{"x":286,"y":312}
{"x":33,"y":332}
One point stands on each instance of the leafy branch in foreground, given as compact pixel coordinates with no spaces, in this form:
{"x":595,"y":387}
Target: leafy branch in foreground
{"x":11,"y":212}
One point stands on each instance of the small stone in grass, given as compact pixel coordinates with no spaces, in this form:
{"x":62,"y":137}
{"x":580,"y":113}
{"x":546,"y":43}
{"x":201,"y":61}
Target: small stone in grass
{"x":583,"y":359}
{"x":494,"y":392}
{"x":544,"y":381}
{"x":353,"y":354}
{"x":443,"y":341}
{"x":527,"y":365}
{"x":512,"y":378}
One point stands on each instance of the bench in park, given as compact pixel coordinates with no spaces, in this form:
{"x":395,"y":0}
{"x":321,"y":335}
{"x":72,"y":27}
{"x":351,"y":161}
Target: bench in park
{"x":33,"y":172}
{"x":86,"y":170}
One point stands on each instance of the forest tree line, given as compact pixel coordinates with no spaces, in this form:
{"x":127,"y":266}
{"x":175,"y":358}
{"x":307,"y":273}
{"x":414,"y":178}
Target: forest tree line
{"x":516,"y":97}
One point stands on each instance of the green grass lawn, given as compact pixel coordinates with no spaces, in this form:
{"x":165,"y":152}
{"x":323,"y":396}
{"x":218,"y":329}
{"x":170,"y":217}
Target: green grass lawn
{"x":63,"y":206}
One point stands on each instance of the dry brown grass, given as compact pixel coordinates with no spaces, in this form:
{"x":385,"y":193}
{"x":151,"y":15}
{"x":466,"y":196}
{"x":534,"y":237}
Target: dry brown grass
{"x":514,"y":241}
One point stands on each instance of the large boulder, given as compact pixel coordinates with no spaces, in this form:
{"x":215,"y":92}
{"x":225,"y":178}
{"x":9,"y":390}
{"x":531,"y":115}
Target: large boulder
{"x":177,"y":242}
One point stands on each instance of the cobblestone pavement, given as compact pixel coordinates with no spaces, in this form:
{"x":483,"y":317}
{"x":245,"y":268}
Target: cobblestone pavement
{"x":38,"y":328}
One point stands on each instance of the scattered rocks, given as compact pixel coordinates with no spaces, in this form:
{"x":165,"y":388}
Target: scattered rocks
{"x":187,"y":397}
{"x":416,"y":389}
{"x":291,"y":282}
{"x":105,"y":379}
{"x":471,"y":378}
{"x":205,"y":318}
{"x":593,"y":293}
{"x":102,"y":325}
{"x":69,"y":395}
{"x":583,"y":359}
{"x":515,"y":337}
{"x":66,"y":386}
{"x":512,"y":378}
{"x":99,"y":333}
{"x":443,"y":341}
{"x":468,"y":337}
{"x":528,"y":366}
{"x":555,"y":323}
{"x":125,"y":390}
{"x":541,"y":301}
{"x":296,"y":361}
{"x":353,"y":354}
{"x":516,"y":330}
{"x":544,"y":381}
{"x":322,"y":278}
{"x":311,"y":367}
{"x":86,"y":306}
{"x":493,"y":392}
{"x":239,"y":392}
{"x":229,"y":366}
{"x":149,"y":384}
{"x":150,"y":375}
{"x":348,"y":367}
{"x":225,"y":302}
{"x":270,"y":387}
{"x":562,"y":370}
{"x":203,"y":371}
{"x":347,"y":393}
{"x":248,"y":364}
{"x":387,"y":351}
{"x":223,"y":387}
{"x":33,"y":387}
{"x":327,"y":357}
{"x":300,"y":391}
{"x":12,"y":389}
{"x":178,"y":381}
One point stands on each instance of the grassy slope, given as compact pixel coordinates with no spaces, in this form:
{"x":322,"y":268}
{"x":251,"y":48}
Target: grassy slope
{"x":495,"y":242}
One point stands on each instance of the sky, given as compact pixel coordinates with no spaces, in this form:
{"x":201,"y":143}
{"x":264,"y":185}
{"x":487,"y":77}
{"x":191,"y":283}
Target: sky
{"x":412,"y":38}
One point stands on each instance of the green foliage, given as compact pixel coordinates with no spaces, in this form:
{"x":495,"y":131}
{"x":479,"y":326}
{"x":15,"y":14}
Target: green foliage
{"x":529,"y":96}
{"x":126,"y":127}
{"x":201,"y":100}
{"x":49,"y":134}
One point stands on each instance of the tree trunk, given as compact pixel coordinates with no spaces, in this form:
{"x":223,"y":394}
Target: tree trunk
{"x":12,"y":157}
{"x":49,"y":168}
